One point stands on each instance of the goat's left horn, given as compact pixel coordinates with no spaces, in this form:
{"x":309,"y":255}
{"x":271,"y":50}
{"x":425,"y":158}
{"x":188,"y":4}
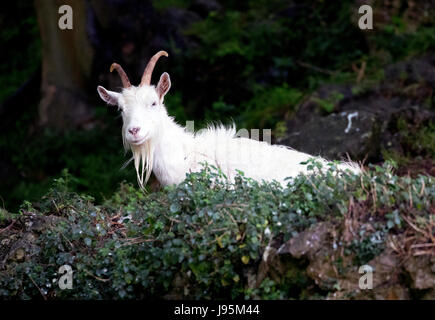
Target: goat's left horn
{"x":146,"y":78}
{"x":125,"y":82}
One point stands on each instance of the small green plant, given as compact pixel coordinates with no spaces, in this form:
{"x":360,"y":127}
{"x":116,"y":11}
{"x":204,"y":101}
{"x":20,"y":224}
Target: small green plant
{"x":269,"y":104}
{"x":329,"y":104}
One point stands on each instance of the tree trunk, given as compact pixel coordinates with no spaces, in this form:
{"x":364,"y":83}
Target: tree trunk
{"x":67,"y":58}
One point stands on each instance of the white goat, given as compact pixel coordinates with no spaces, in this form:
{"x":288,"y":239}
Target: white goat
{"x":160,"y":145}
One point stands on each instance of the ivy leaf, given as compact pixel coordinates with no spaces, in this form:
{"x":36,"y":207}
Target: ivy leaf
{"x":88,"y":241}
{"x":175,"y":207}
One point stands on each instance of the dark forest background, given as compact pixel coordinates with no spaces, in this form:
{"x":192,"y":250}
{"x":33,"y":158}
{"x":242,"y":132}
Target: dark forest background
{"x":297,"y":67}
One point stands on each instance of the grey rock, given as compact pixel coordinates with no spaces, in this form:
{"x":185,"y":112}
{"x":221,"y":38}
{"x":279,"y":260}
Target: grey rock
{"x":308,"y":242}
{"x":364,"y":120}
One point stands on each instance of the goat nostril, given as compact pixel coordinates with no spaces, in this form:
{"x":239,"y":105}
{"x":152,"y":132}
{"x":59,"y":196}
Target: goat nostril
{"x":133,"y":131}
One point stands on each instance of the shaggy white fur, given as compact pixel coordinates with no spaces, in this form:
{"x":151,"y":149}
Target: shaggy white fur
{"x":160,"y":145}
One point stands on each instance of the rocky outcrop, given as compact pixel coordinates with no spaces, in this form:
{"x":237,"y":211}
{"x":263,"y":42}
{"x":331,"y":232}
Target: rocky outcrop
{"x":393,"y":277}
{"x":364,"y":118}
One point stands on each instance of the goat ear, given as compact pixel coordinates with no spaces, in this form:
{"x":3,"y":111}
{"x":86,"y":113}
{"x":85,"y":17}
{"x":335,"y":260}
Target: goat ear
{"x":109,"y":97}
{"x":163,"y":85}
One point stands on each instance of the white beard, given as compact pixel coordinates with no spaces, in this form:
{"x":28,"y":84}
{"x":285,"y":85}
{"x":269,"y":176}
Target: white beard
{"x":143,"y":156}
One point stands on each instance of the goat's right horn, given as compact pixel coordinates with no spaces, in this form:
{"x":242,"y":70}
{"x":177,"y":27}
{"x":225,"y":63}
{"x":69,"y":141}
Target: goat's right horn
{"x":125,"y":82}
{"x":146,"y":78}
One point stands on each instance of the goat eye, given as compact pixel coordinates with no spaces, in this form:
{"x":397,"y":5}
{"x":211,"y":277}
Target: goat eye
{"x":154,"y":104}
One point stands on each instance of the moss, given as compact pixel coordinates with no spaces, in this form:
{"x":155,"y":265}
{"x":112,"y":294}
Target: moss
{"x":329,"y":104}
{"x":415,"y":141}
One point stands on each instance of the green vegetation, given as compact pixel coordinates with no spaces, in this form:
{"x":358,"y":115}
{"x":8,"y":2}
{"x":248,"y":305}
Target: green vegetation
{"x":253,"y":62}
{"x":204,"y":238}
{"x":260,"y":51}
{"x":418,"y":141}
{"x":18,"y":65}
{"x":329,"y":104}
{"x":94,"y":157}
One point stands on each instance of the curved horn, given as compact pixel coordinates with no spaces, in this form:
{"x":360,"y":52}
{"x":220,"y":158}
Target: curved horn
{"x":146,"y":78}
{"x":125,"y":82}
